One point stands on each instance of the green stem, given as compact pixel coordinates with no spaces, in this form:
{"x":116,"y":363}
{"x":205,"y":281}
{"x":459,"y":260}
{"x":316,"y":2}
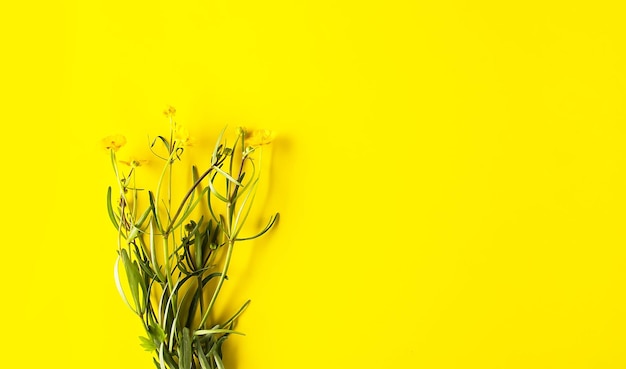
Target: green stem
{"x":200,"y":297}
{"x":168,"y":270}
{"x":123,"y":204}
{"x":172,"y":151}
{"x":135,"y":197}
{"x":229,"y":254}
{"x":158,"y":189}
{"x":169,"y":188}
{"x":229,"y":218}
{"x":187,"y":195}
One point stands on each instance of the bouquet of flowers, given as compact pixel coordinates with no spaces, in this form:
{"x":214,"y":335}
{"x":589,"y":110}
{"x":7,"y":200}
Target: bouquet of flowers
{"x":173,"y":257}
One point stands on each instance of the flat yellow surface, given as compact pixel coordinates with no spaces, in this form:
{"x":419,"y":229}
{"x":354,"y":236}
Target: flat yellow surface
{"x":451,"y":176}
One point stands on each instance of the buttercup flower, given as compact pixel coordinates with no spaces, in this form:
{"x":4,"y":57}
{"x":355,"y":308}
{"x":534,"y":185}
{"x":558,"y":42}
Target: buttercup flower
{"x":260,"y":137}
{"x":181,"y":135}
{"x":114,"y":142}
{"x":169,"y":112}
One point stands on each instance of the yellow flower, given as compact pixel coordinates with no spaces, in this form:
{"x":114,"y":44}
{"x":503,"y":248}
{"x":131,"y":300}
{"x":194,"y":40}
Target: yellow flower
{"x":260,"y":137}
{"x":169,"y":112}
{"x":181,"y":135}
{"x":114,"y":142}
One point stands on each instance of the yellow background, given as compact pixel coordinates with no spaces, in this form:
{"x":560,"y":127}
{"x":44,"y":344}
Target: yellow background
{"x":450,"y":175}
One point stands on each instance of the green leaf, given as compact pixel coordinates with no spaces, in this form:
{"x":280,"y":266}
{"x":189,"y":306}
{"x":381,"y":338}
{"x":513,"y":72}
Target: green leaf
{"x":153,"y":254}
{"x":157,"y":333}
{"x":169,"y":360}
{"x":196,"y":298}
{"x":150,"y":314}
{"x":190,"y":208}
{"x":143,"y":217}
{"x":217,"y":194}
{"x":204,"y":332}
{"x":204,"y":363}
{"x":177,"y":286}
{"x":228,"y":176}
{"x":147,"y":344}
{"x":269,"y":226}
{"x":134,"y":232}
{"x":195,"y":175}
{"x":176,"y":319}
{"x":241,"y":189}
{"x":118,"y":283}
{"x":211,"y":276}
{"x":161,"y":355}
{"x":185,"y":350}
{"x":217,"y":145}
{"x":147,"y":271}
{"x":179,"y":151}
{"x":166,"y":357}
{"x":218,"y":361}
{"x":161,"y":309}
{"x":110,"y":210}
{"x":236,"y":315}
{"x":200,"y":240}
{"x":164,"y":141}
{"x":153,"y":209}
{"x":249,"y":196}
{"x":136,"y":228}
{"x":211,"y":211}
{"x":135,"y":282}
{"x":218,"y":345}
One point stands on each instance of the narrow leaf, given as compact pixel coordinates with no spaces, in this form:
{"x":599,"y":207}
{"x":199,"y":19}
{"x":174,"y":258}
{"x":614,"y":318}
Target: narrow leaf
{"x":165,"y":143}
{"x":204,"y":363}
{"x":110,"y":210}
{"x":218,"y":145}
{"x":204,"y":332}
{"x":153,"y":254}
{"x":269,"y":226}
{"x":236,"y":315}
{"x":217,"y":194}
{"x":161,"y":358}
{"x":154,"y":214}
{"x":185,"y":350}
{"x":239,"y":222}
{"x":218,"y":361}
{"x":210,"y":206}
{"x":118,"y":284}
{"x":134,"y":279}
{"x":228,"y":176}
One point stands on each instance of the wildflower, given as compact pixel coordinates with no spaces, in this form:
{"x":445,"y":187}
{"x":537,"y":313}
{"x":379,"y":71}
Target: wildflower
{"x":181,"y":135}
{"x":169,"y":112}
{"x":260,"y":137}
{"x":114,"y":142}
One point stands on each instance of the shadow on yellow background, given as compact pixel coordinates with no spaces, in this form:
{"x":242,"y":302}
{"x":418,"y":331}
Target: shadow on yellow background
{"x":450,"y":177}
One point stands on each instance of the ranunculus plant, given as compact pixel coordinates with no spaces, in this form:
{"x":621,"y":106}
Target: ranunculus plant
{"x":173,"y":257}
